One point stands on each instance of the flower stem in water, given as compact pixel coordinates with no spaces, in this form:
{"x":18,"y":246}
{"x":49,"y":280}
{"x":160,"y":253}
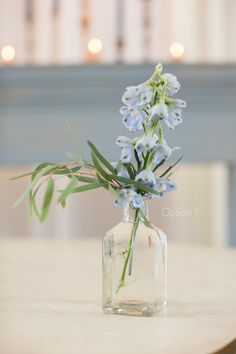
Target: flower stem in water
{"x":129,"y":254}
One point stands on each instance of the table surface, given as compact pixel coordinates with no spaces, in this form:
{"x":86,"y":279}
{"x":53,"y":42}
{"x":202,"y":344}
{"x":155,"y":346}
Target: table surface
{"x":50,"y":302}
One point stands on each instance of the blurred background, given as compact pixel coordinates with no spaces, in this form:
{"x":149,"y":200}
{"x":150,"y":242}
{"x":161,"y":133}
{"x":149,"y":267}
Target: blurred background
{"x":70,"y":60}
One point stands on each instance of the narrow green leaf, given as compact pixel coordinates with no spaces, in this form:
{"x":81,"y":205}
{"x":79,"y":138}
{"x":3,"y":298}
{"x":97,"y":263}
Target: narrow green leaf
{"x":66,"y":171}
{"x":86,"y":179}
{"x":130,"y":170}
{"x":37,"y":176}
{"x":137,"y":159}
{"x":33,"y":206}
{"x":101,"y":181}
{"x":42,"y":166}
{"x":100,"y":157}
{"x":81,"y":154}
{"x":159,"y":165}
{"x":87,"y":187}
{"x":170,"y":167}
{"x":32,"y":201}
{"x":99,"y":168}
{"x":21,"y":176}
{"x":47,"y":199}
{"x":37,"y":169}
{"x":146,"y":160}
{"x":68,"y":190}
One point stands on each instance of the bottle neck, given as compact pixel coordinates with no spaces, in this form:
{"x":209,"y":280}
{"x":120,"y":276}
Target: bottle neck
{"x":131,"y":214}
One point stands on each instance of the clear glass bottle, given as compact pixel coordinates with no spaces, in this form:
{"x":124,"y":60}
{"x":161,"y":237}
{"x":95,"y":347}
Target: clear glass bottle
{"x":134,"y":266}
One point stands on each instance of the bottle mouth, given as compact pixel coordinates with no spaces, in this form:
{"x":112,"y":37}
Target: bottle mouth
{"x":131,"y":214}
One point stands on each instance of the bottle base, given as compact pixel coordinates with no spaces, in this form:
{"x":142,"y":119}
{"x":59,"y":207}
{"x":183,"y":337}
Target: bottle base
{"x":133,"y":308}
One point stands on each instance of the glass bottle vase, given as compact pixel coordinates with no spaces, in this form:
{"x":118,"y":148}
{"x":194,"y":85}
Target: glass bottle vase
{"x":134,"y":266}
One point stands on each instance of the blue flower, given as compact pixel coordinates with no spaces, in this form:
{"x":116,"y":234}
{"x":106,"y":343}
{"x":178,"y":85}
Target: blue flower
{"x":171,"y":83}
{"x":137,"y":95}
{"x":123,"y":172}
{"x":137,"y":201}
{"x":146,"y":176}
{"x":133,"y":118}
{"x":146,"y":143}
{"x":162,"y":186}
{"x":160,"y":110}
{"x":126,"y":148}
{"x":175,"y":113}
{"x":121,"y":199}
{"x":163,"y":152}
{"x":135,"y":198}
{"x":128,"y":195}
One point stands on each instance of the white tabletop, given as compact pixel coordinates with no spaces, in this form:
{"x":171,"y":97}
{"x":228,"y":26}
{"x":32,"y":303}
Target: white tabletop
{"x":50,"y":302}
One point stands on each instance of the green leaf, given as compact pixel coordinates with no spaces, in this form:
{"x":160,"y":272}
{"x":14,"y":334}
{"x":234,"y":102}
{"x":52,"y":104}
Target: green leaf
{"x":67,"y":171}
{"x":21,"y":176}
{"x":47,"y":199}
{"x":130,"y":169}
{"x":137,"y":159}
{"x":143,"y":187}
{"x":101,"y":181}
{"x":33,"y":206}
{"x":99,"y":168}
{"x":68,"y":190}
{"x":170,"y":167}
{"x":86,"y":179}
{"x":42,"y":166}
{"x":37,"y":169}
{"x":101,"y":157}
{"x":32,"y":201}
{"x":87,"y":187}
{"x":159,"y":165}
{"x":37,"y":176}
{"x":81,"y":155}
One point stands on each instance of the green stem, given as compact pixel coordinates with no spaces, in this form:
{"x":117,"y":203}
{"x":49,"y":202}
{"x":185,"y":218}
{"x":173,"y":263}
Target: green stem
{"x":160,"y":133}
{"x":146,"y":160}
{"x":137,"y":159}
{"x":130,"y":249}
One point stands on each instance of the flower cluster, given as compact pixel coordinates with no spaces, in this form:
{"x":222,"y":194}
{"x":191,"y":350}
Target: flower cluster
{"x":146,"y":108}
{"x":138,"y":174}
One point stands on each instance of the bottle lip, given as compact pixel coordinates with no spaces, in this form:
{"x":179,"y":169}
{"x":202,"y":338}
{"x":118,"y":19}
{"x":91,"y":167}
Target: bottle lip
{"x":129,"y":213}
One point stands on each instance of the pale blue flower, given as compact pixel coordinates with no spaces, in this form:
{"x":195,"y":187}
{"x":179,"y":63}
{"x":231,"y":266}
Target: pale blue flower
{"x":137,"y":201}
{"x":126,"y":155}
{"x":114,"y":164}
{"x":133,"y":118}
{"x":137,"y":95}
{"x":171,"y":83}
{"x":135,"y":198}
{"x":123,"y":141}
{"x":126,"y":148}
{"x":123,"y":172}
{"x":128,"y":195}
{"x":160,"y":110}
{"x":164,"y":186}
{"x":146,"y":176}
{"x":163,"y":152}
{"x":121,"y":199}
{"x":175,"y":113}
{"x":145,"y":143}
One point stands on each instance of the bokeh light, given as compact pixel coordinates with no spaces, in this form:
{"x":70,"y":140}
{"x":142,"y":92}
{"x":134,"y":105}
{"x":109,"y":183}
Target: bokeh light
{"x":95,"y":45}
{"x":8,"y":53}
{"x":177,"y":50}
